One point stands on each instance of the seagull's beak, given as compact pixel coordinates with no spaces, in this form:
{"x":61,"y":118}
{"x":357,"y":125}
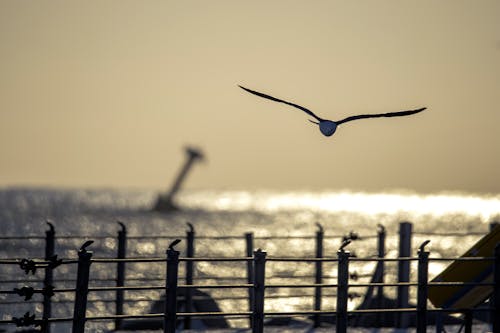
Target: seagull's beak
{"x":314,"y":122}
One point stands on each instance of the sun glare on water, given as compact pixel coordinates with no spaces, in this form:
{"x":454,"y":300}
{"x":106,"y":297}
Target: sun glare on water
{"x":483,"y":207}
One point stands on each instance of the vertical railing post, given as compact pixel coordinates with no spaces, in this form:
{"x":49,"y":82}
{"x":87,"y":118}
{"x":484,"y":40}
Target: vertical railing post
{"x":423,"y":268}
{"x":319,"y":274}
{"x":381,"y":264}
{"x":120,"y":273}
{"x":259,"y":289}
{"x":82,"y":288}
{"x":49,"y":275}
{"x":170,"y":315}
{"x":342,"y":290}
{"x":468,"y":321}
{"x":493,"y":225}
{"x":381,"y":233}
{"x":189,"y":274}
{"x":496,"y":292}
{"x":405,"y":234}
{"x":250,"y":270}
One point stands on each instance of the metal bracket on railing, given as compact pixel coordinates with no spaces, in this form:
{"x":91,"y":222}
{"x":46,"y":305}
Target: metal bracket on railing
{"x":351,"y":236}
{"x":381,"y":228}
{"x":174,"y":243}
{"x":54,"y":262}
{"x":320,"y":227}
{"x":26,"y":292}
{"x":28,"y":265}
{"x":26,"y":320}
{"x":83,"y":248}
{"x":345,"y":242}
{"x":422,"y":246}
{"x":51,"y":226}
{"x":191,"y":228}
{"x":124,"y":228}
{"x":48,"y":291}
{"x":29,"y":320}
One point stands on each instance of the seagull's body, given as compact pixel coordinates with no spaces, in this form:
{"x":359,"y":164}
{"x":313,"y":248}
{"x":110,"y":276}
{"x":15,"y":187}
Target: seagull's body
{"x":328,"y":127}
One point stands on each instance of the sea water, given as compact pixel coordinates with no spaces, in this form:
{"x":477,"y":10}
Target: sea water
{"x":283,"y":224}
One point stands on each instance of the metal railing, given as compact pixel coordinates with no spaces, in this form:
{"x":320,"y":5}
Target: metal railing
{"x":256,"y":284}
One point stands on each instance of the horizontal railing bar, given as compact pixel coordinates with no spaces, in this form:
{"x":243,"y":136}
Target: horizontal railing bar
{"x":11,"y":261}
{"x":302,"y":285}
{"x":39,"y":291}
{"x":161,"y":315}
{"x":21,"y":302}
{"x":223,"y":259}
{"x":133,"y":300}
{"x":449,"y":234}
{"x":328,"y":285}
{"x":22,"y":237}
{"x":222,"y":286}
{"x":333,"y":312}
{"x":236,"y":237}
{"x":266,"y":314}
{"x":459,"y":284}
{"x":116,"y":260}
{"x":301,"y":259}
{"x":127,"y":288}
{"x":286,"y":237}
{"x":50,"y":320}
{"x":111,"y":317}
{"x":214,"y":314}
{"x":84,"y":237}
{"x":156,"y":237}
{"x":160,"y":259}
{"x":161,"y":278}
{"x":267,"y":286}
{"x":463,"y":259}
{"x":239,"y":238}
{"x":25,"y":281}
{"x":376,"y":259}
{"x":460,"y":310}
{"x":382,"y":284}
{"x":358,"y":259}
{"x":448,"y":310}
{"x":184,"y":286}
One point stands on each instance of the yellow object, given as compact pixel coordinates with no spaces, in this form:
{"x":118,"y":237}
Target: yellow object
{"x":467,"y":272}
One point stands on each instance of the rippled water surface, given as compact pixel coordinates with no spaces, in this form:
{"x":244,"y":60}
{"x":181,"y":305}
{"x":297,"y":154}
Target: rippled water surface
{"x":92,"y":214}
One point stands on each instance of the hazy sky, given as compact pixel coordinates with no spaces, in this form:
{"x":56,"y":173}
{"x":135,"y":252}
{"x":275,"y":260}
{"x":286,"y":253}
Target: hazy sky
{"x":107,"y":93}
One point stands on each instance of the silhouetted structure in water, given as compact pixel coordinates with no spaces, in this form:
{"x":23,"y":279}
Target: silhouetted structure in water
{"x":165,"y":202}
{"x":203,"y":302}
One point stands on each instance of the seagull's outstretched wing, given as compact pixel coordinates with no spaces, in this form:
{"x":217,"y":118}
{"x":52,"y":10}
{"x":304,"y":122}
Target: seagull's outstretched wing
{"x":309,"y":112}
{"x":390,"y":114}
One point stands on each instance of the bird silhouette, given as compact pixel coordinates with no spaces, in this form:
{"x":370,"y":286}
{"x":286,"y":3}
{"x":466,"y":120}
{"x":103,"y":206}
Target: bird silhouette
{"x":328,"y":127}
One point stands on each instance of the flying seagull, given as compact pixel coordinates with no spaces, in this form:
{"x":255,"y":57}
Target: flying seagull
{"x":328,"y":127}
